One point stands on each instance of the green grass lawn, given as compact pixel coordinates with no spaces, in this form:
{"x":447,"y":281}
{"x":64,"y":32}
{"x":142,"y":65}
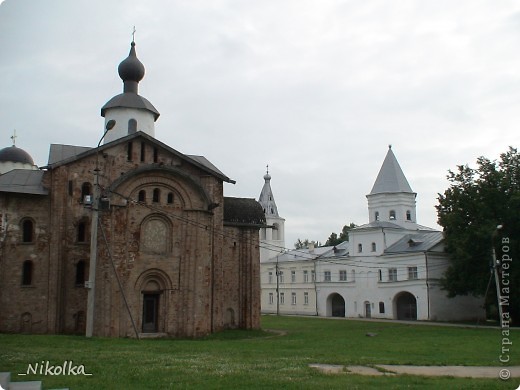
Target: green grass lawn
{"x":257,"y":359}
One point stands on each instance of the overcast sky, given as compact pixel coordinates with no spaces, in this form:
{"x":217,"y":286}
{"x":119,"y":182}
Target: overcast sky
{"x":316,"y":89}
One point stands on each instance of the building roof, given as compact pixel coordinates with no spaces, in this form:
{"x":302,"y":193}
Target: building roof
{"x":378,"y":224}
{"x":391,"y":177}
{"x":243,"y":212}
{"x":23,"y":181}
{"x":340,"y":250}
{"x":310,"y":254}
{"x":58,"y":152}
{"x":417,"y":242}
{"x":64,"y":154}
{"x":130,"y":100}
{"x":16,"y":155}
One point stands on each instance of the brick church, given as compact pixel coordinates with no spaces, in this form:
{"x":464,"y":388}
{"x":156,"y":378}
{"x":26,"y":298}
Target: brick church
{"x":173,"y":256}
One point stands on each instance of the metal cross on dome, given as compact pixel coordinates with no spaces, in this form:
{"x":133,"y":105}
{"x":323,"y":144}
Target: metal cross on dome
{"x":133,"y":34}
{"x":13,"y":137}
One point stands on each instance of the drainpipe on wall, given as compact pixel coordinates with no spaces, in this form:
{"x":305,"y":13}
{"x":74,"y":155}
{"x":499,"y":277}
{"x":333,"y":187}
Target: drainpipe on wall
{"x":315,"y":287}
{"x":277,"y":288}
{"x":427,"y":284}
{"x":212,"y":238}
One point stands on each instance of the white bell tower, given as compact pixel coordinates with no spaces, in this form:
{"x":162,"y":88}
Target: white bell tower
{"x":392,"y":199}
{"x":272,"y":238}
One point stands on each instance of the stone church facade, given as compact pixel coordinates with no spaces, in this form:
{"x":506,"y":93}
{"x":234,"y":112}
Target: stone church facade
{"x":174,"y":256}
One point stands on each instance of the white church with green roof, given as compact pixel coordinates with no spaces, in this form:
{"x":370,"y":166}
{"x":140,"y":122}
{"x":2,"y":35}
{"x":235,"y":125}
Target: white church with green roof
{"x":390,"y":268}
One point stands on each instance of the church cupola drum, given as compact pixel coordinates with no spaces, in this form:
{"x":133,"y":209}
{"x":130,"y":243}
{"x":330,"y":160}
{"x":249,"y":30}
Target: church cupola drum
{"x":131,"y":111}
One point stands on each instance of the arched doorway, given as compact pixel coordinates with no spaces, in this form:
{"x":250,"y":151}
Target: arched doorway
{"x":150,"y":287}
{"x":151,"y":295}
{"x":405,"y":306}
{"x":368,"y":309}
{"x":336,"y":305}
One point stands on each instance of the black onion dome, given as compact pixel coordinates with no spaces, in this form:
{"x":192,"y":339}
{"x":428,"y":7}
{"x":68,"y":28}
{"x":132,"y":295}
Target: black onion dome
{"x":14,"y":154}
{"x":131,"y":69}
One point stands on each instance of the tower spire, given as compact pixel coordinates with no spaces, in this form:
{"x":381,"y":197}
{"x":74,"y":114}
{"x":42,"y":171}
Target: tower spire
{"x":266,"y":198}
{"x":392,"y":199}
{"x":391,"y":177}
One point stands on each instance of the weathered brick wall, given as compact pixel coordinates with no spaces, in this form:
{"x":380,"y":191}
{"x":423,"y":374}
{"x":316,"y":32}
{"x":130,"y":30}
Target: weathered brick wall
{"x":24,"y":308}
{"x":241,"y":275}
{"x":178,"y":250}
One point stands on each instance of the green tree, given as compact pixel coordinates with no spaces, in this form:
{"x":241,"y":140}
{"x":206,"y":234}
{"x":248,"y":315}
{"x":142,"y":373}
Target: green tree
{"x":299,"y":244}
{"x":476,"y":202}
{"x":334,"y":239}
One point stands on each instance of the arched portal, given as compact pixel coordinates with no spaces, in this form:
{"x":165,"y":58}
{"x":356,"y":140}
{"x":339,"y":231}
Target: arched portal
{"x":150,"y":286}
{"x":336,"y":305}
{"x":405,"y":306}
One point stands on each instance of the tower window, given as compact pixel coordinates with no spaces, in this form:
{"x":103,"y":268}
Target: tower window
{"x":170,"y":198}
{"x":408,"y":215}
{"x":86,"y":193}
{"x":155,"y":155}
{"x":129,"y":151}
{"x":374,"y":247}
{"x":392,"y":215}
{"x":360,"y":248}
{"x":143,"y":151}
{"x":377,"y":215}
{"x":82,"y":231}
{"x":132,"y":126}
{"x":27,"y":272}
{"x":156,"y":195}
{"x":141,"y":197}
{"x":80,"y":273}
{"x":27,"y":230}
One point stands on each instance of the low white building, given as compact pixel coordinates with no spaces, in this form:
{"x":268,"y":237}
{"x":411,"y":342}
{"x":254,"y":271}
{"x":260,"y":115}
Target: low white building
{"x":390,"y":268}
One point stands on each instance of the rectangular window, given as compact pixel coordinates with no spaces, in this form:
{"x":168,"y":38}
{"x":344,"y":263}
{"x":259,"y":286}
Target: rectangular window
{"x":143,"y":151}
{"x":305,"y":276}
{"x":412,"y":273}
{"x":381,"y":307}
{"x":280,"y":276}
{"x":27,"y":272}
{"x":282,"y":298}
{"x":343,"y":275}
{"x":270,"y":277}
{"x":129,"y":151}
{"x":293,"y":298}
{"x":271,"y":298}
{"x":313,"y":276}
{"x":326,"y":276}
{"x":293,"y":276}
{"x":305,"y":298}
{"x":392,"y":274}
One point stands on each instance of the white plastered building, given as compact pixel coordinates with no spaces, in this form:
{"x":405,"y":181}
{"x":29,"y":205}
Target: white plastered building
{"x":390,"y":268}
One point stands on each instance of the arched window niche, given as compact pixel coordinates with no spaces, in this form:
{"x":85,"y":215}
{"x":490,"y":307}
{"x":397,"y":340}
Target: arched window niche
{"x":156,"y":233}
